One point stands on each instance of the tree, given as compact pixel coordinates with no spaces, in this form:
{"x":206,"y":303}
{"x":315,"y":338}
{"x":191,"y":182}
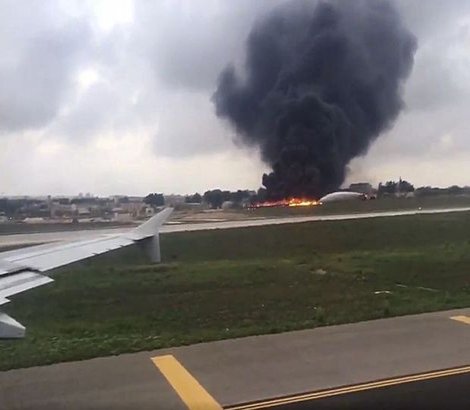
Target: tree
{"x":154,"y":199}
{"x":12,"y":207}
{"x":239,"y":196}
{"x":454,"y":190}
{"x":390,"y":187}
{"x":193,"y":199}
{"x":215,"y":198}
{"x":262,"y":195}
{"x":405,"y":186}
{"x":429,"y":191}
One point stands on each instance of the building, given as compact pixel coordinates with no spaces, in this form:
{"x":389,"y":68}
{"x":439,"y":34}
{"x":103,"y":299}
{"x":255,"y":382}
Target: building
{"x":174,"y":200}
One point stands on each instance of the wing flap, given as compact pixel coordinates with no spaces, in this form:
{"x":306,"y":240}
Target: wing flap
{"x":19,"y":282}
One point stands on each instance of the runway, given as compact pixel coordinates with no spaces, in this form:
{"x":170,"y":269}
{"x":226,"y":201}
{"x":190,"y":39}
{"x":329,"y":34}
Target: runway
{"x":449,"y":392}
{"x":418,"y":361}
{"x":47,"y":237}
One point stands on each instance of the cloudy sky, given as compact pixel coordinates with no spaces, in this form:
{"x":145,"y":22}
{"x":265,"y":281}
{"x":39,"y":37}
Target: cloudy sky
{"x":114,"y":96}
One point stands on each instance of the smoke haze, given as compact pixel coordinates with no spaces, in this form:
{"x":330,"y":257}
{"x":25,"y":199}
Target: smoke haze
{"x":321,"y":82}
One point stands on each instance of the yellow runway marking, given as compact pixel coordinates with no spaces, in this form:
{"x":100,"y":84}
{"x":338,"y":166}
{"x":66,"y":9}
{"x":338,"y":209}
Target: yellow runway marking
{"x":463,"y":319}
{"x":350,"y":389}
{"x":186,"y":386}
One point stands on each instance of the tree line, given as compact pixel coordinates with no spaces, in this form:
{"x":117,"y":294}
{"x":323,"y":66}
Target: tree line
{"x":216,"y":197}
{"x":394,"y":187}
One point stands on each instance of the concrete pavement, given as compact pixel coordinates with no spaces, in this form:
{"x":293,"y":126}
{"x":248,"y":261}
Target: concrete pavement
{"x":47,"y":237}
{"x":251,"y":369}
{"x":450,"y":392}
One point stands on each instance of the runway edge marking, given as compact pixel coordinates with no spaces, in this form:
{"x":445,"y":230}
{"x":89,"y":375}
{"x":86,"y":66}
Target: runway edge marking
{"x":185,"y":385}
{"x":348,"y":389}
{"x":462,"y":319}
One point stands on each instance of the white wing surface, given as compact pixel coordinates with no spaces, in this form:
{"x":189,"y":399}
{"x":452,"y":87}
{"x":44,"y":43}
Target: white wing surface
{"x":26,"y":268}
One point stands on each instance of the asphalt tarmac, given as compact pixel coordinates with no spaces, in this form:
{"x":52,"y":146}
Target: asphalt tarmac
{"x":47,"y":237}
{"x":451,"y":392}
{"x":417,"y":361}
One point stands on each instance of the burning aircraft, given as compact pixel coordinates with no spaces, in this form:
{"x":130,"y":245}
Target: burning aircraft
{"x":290,"y":203}
{"x":338,"y":196}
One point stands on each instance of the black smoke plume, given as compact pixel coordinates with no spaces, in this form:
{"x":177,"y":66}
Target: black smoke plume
{"x":322,"y":80}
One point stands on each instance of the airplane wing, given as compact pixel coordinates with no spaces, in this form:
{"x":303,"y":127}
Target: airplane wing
{"x":27,"y":268}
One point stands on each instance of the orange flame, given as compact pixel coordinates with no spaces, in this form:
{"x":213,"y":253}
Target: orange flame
{"x":301,"y":202}
{"x":290,"y":202}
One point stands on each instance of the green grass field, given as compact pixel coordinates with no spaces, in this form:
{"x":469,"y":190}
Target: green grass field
{"x":231,"y":283}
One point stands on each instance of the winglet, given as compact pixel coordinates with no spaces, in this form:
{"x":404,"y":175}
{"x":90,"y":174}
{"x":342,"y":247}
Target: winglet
{"x":150,"y":228}
{"x":10,"y":328}
{"x":147,"y":234}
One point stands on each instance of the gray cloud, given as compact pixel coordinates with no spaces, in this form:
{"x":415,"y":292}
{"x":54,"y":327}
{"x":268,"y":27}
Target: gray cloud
{"x":431,"y":19}
{"x":443,"y":30}
{"x":433,"y":127}
{"x":93,"y":113}
{"x":157,"y":74}
{"x":36,"y":78}
{"x":190,"y":44}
